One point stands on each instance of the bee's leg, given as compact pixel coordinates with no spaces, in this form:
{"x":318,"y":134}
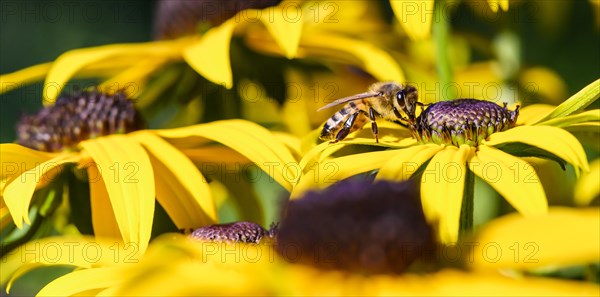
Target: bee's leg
{"x":346,"y":128}
{"x":374,"y":124}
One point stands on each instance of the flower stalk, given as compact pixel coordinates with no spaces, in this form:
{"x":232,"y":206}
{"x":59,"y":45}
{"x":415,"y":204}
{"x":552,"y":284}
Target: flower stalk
{"x":467,"y":208}
{"x":440,"y":29}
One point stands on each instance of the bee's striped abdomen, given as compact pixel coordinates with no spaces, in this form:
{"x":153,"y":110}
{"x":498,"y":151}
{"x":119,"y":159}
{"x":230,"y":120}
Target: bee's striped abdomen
{"x":336,"y":122}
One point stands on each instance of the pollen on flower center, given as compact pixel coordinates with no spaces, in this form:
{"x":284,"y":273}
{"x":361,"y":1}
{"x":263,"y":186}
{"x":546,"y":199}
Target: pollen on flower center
{"x":84,"y":115}
{"x":462,"y":121}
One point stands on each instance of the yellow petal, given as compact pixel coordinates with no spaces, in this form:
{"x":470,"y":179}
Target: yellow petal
{"x":327,"y":172}
{"x":83,"y":280}
{"x":71,"y":62}
{"x":209,"y":56}
{"x":554,"y":140}
{"x":129,"y":178}
{"x":415,"y":17}
{"x":284,"y":28}
{"x":103,"y":217}
{"x":5,"y":217}
{"x":442,"y":187}
{"x":588,"y":186}
{"x":17,"y":79}
{"x":353,"y":51}
{"x":291,"y":142}
{"x":132,"y":79}
{"x":17,"y":159}
{"x":180,"y":188}
{"x":75,"y":251}
{"x":18,"y":191}
{"x":407,"y":161}
{"x":251,"y":140}
{"x":515,"y":179}
{"x":495,"y":4}
{"x":532,"y":113}
{"x":565,"y":236}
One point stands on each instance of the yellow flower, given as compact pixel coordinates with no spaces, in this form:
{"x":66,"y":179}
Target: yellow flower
{"x":178,"y":265}
{"x":445,"y":163}
{"x":588,"y":186}
{"x":274,"y":30}
{"x":128,"y":172}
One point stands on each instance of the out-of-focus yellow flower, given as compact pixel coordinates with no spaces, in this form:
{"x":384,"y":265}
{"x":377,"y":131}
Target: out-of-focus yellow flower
{"x":588,"y":186}
{"x":273,"y":30}
{"x":564,"y":237}
{"x":177,"y":265}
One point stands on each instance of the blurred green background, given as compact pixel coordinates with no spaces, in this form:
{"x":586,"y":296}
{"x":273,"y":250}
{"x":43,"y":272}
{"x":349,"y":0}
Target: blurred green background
{"x":33,"y":32}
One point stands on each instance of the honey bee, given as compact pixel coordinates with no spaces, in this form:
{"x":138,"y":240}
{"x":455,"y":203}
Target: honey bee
{"x":388,"y":100}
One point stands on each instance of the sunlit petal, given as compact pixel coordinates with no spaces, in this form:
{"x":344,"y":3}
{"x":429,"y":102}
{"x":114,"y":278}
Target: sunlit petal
{"x":76,"y":251}
{"x":180,"y":187}
{"x":495,"y":4}
{"x":515,"y":179}
{"x":71,"y":62}
{"x":285,"y":31}
{"x":565,"y":236}
{"x":329,"y":171}
{"x":407,"y":161}
{"x":534,"y":112}
{"x":16,"y":159}
{"x":209,"y":56}
{"x":415,"y":17}
{"x":17,"y":79}
{"x":588,"y":186}
{"x":357,"y":52}
{"x":127,"y":173}
{"x":251,"y":140}
{"x":18,"y":192}
{"x":103,"y":216}
{"x":82,"y":281}
{"x":442,"y":186}
{"x":554,"y":140}
{"x":133,"y":78}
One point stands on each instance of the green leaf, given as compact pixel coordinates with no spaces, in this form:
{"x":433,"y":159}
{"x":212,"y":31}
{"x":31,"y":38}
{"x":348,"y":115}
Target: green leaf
{"x":586,"y":116}
{"x":576,"y":103}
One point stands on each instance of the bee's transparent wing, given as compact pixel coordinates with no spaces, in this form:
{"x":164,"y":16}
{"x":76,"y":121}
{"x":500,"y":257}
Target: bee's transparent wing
{"x":348,"y":99}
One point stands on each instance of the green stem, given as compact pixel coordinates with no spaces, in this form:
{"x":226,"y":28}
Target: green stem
{"x":441,"y":31}
{"x":466,"y":212}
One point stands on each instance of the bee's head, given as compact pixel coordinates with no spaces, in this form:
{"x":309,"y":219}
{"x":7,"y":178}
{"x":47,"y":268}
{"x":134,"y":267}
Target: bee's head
{"x":403,"y":97}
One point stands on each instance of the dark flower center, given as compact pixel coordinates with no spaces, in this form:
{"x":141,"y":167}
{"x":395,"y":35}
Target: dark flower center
{"x":357,"y":226}
{"x":462,"y":121}
{"x":175,"y":18}
{"x":85,"y":115}
{"x":238,"y":232}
